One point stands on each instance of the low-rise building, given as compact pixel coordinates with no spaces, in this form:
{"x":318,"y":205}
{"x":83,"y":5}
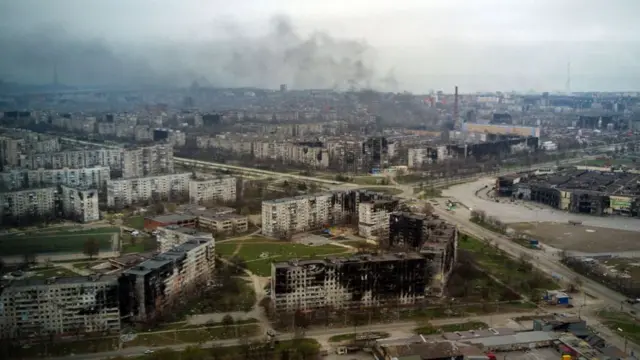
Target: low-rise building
{"x":183,"y":220}
{"x":60,"y":306}
{"x":171,"y":236}
{"x":229,"y":223}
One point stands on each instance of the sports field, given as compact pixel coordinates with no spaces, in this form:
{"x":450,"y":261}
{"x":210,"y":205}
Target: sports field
{"x":55,"y":241}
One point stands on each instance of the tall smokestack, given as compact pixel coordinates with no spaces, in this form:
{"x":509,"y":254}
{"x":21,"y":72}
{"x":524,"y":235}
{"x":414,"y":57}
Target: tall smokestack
{"x":456,"y":114}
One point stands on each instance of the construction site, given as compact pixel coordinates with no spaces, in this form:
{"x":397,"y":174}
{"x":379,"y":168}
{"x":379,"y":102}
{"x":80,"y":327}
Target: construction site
{"x":577,"y":190}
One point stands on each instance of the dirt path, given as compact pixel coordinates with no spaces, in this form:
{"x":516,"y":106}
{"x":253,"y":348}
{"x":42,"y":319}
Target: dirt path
{"x":237,"y":250}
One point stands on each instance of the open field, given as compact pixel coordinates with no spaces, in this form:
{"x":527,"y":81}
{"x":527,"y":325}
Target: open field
{"x":65,"y":241}
{"x":518,"y":274}
{"x":186,"y":336}
{"x":136,"y":222}
{"x":622,"y":322}
{"x":43,"y":273}
{"x":259,"y":253}
{"x":429,"y":329}
{"x":581,"y":238}
{"x":384,"y":190}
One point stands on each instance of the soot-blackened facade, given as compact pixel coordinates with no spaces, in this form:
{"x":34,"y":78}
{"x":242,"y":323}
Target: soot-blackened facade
{"x":350,"y":283}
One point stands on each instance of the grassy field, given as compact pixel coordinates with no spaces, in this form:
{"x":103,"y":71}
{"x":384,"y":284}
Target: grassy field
{"x":64,"y":241}
{"x":519,"y":274}
{"x":615,"y":320}
{"x":429,"y":329}
{"x":137,"y":244}
{"x":194,"y":335}
{"x":48,"y":272}
{"x":259,"y":254}
{"x":136,"y":222}
{"x":384,"y":190}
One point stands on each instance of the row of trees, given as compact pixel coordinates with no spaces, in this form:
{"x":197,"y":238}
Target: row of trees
{"x":480,"y":217}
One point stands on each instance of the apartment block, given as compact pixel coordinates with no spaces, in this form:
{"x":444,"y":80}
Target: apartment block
{"x":373,"y":218}
{"x":123,"y":192}
{"x":147,"y":161}
{"x":21,"y":204}
{"x":206,"y":190}
{"x":62,"y":306}
{"x":95,"y":177}
{"x":171,"y":236}
{"x":357,"y":282}
{"x":155,"y":284}
{"x":111,"y":158}
{"x":80,"y":204}
{"x":430,"y":236}
{"x":288,"y":216}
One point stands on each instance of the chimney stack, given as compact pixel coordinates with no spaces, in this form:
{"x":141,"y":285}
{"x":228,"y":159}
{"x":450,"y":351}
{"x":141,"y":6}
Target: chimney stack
{"x":456,"y":114}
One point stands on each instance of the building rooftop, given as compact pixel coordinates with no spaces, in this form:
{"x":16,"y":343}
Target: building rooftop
{"x":161,"y":260}
{"x":346,"y":260}
{"x":187,"y":230}
{"x":513,"y":339}
{"x":171,"y":218}
{"x":58,"y":280}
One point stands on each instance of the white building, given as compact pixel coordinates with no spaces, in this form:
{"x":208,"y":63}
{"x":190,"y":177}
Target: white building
{"x":222,"y":189}
{"x":284,"y":217}
{"x":147,"y":160}
{"x":95,"y":177}
{"x":172,"y":274}
{"x":373,"y":217}
{"x":80,"y":204}
{"x":171,"y":236}
{"x":32,"y":202}
{"x":64,"y":306}
{"x":123,"y":192}
{"x":111,"y":158}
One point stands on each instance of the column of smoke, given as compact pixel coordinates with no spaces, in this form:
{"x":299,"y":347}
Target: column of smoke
{"x":281,"y":56}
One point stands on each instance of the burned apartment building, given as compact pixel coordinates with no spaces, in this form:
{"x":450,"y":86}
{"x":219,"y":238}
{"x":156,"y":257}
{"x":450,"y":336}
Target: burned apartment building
{"x":285,"y":217}
{"x":375,"y":152}
{"x":584,"y":191}
{"x":496,"y":146}
{"x":151,"y":287}
{"x":431,"y":237}
{"x":363,"y":281}
{"x":403,"y":278}
{"x":373,"y":217}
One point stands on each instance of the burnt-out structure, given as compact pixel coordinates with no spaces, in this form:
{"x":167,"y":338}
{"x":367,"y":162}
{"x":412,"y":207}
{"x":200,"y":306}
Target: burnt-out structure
{"x":431,"y":237}
{"x":357,"y":282}
{"x":492,"y":149}
{"x":146,"y":290}
{"x":375,"y":152}
{"x":585,"y":191}
{"x":505,"y":185}
{"x":59,"y":306}
{"x":405,"y":276}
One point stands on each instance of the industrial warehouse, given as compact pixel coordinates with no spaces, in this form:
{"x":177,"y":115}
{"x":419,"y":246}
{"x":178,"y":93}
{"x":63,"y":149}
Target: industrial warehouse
{"x":577,"y":189}
{"x":420,"y":257}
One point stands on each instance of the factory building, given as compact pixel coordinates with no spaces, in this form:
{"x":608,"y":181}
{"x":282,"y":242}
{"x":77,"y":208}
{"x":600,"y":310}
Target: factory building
{"x":60,"y":306}
{"x":205,"y":190}
{"x":123,"y":192}
{"x":580,"y":190}
{"x":153,"y":285}
{"x":288,"y":216}
{"x":349,"y":283}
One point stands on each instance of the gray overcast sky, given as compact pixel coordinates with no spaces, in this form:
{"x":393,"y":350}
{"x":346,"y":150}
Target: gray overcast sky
{"x":423,"y":44}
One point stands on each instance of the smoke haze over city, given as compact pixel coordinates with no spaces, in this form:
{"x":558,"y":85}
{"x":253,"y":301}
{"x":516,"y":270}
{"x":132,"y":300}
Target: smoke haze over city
{"x":393,"y":46}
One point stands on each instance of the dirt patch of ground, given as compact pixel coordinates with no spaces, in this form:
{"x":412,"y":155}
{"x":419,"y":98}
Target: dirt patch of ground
{"x":590,"y":239}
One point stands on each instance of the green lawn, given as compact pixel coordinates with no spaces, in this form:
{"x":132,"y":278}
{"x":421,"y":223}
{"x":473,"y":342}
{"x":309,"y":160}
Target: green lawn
{"x":194,"y":335}
{"x":516,"y":273}
{"x":384,"y":190}
{"x":274,"y":251}
{"x":369,"y":180}
{"x":429,"y":329}
{"x":136,"y":222}
{"x":615,"y":320}
{"x":137,"y":244}
{"x":55,"y":242}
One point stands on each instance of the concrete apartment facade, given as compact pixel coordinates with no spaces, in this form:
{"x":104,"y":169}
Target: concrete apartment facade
{"x":80,"y":204}
{"x":156,"y":283}
{"x":62,"y":306}
{"x":205,"y":190}
{"x":95,"y":176}
{"x":123,"y":192}
{"x":39,"y":202}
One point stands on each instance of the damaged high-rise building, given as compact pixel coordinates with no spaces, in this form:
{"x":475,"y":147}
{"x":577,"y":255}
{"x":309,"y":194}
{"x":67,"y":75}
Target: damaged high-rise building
{"x":422,"y":252}
{"x":282,"y":218}
{"x":433,"y":238}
